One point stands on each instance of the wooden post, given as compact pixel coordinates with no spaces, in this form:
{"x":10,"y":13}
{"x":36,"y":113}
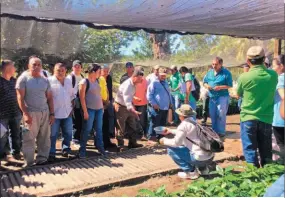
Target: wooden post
{"x":277,"y":47}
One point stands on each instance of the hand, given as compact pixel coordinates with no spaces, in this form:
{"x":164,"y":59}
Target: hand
{"x":28,"y":119}
{"x":116,"y":107}
{"x":71,"y":113}
{"x":137,"y":99}
{"x":217,"y":88}
{"x":209,"y":87}
{"x":137,"y":114}
{"x":161,"y":141}
{"x":51,"y":119}
{"x":155,"y":106}
{"x":166,"y":132}
{"x":86,"y":115}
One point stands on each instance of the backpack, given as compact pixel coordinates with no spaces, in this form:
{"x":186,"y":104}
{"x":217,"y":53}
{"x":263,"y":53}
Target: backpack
{"x":45,"y":73}
{"x":196,"y":92}
{"x":209,"y":139}
{"x":74,"y":79}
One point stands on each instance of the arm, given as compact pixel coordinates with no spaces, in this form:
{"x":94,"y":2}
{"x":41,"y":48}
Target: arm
{"x":282,"y":107}
{"x":150,"y":95}
{"x":82,"y":94}
{"x":205,"y":83}
{"x":51,"y":107}
{"x":176,"y":141}
{"x":20,"y":97}
{"x":281,"y":93}
{"x":188,"y":91}
{"x":229,"y":82}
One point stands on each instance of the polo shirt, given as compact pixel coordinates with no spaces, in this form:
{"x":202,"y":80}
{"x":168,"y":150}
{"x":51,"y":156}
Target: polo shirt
{"x":174,"y":82}
{"x":223,"y":77}
{"x":277,"y":119}
{"x":257,"y":88}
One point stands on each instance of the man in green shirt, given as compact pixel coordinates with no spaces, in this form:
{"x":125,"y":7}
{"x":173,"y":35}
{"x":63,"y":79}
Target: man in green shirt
{"x":174,"y":82}
{"x":257,"y":87}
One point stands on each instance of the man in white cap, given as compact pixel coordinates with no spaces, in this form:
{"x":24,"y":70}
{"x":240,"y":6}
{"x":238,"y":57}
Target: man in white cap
{"x":257,"y":108}
{"x":186,"y":154}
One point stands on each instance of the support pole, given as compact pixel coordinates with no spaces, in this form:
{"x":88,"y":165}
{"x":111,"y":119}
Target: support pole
{"x":277,"y":47}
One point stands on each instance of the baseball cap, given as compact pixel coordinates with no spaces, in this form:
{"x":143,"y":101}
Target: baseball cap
{"x":162,"y":71}
{"x":129,"y":64}
{"x":255,"y":52}
{"x":76,"y":62}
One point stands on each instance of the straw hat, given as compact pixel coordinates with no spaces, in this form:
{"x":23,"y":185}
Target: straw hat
{"x":185,"y":110}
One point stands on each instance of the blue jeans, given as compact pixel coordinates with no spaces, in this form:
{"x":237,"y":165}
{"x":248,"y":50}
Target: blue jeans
{"x":276,"y":189}
{"x":177,"y":104}
{"x":157,"y":118}
{"x":193,"y":105}
{"x":12,"y":140}
{"x":256,"y":135}
{"x":66,"y":127}
{"x":95,"y":119}
{"x":218,"y":109}
{"x":185,"y":160}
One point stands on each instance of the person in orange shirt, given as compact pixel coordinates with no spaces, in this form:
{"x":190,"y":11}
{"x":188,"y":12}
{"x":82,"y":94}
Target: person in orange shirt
{"x":140,"y":103}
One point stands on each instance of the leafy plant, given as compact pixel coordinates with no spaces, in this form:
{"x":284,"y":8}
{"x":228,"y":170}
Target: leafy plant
{"x":248,"y":182}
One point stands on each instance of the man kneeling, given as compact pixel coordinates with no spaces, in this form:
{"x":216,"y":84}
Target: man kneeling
{"x":188,"y":156}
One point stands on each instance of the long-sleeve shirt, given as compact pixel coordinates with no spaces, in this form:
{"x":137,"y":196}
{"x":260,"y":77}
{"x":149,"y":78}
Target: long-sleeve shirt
{"x":150,"y":78}
{"x":188,"y":129}
{"x":158,"y":93}
{"x":126,"y":93}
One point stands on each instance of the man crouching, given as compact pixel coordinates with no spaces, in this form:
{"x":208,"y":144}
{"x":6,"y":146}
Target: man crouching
{"x":185,"y":154}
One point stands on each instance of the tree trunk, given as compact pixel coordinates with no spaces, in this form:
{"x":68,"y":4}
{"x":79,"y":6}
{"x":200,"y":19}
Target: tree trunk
{"x":160,"y":45}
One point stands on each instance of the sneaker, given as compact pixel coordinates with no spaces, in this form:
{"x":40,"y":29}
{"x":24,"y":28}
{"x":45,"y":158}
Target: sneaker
{"x":80,"y":156}
{"x":188,"y":175}
{"x":65,"y":154}
{"x":42,"y":162}
{"x":51,"y":158}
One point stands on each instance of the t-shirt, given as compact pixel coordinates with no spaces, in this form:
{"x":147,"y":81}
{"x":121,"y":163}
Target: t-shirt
{"x":277,"y":119}
{"x":35,"y":92}
{"x":141,"y":89}
{"x":93,"y":97}
{"x":103,"y":86}
{"x":77,"y":80}
{"x":223,"y":77}
{"x":257,"y":88}
{"x":8,"y":99}
{"x":186,"y":78}
{"x":174,"y":82}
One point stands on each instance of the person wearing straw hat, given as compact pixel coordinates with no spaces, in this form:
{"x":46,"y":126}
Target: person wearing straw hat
{"x":188,"y":156}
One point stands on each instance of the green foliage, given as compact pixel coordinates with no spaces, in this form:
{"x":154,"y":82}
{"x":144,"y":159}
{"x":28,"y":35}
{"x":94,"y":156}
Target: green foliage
{"x":251,"y":182}
{"x":144,"y":51}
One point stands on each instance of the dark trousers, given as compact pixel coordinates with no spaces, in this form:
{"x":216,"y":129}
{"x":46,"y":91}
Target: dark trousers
{"x":205,"y":108}
{"x":77,"y":120}
{"x":279,"y":136}
{"x":256,"y":136}
{"x":107,"y":116}
{"x":143,"y":118}
{"x":158,"y":118}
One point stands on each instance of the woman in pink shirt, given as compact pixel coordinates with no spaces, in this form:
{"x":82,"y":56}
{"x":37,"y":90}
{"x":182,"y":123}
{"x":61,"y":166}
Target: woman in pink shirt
{"x":140,"y":103}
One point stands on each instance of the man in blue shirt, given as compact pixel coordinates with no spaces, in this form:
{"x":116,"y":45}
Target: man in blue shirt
{"x":218,"y":80}
{"x":158,"y":95}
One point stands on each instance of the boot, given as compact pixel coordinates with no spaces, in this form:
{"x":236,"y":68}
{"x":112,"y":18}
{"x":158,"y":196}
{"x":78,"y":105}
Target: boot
{"x":134,"y":145}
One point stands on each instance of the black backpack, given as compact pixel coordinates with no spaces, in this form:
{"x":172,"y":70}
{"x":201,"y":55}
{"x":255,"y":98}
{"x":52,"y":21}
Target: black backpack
{"x":196,"y":92}
{"x":209,"y":139}
{"x":74,"y":79}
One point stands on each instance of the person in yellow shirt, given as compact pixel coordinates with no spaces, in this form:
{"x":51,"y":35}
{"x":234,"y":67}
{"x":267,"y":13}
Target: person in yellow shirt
{"x":104,"y":90}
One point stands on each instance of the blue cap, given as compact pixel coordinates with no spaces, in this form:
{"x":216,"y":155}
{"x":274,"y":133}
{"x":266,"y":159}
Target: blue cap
{"x":129,"y":64}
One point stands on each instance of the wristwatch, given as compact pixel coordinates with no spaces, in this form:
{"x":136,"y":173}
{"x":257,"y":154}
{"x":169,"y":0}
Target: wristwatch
{"x":51,"y":114}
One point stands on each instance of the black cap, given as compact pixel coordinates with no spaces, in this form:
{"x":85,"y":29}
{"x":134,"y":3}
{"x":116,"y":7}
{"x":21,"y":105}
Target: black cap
{"x":129,"y":64}
{"x":76,"y":62}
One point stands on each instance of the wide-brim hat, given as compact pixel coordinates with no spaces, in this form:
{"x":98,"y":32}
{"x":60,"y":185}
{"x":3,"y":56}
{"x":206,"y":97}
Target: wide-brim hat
{"x":186,"y":111}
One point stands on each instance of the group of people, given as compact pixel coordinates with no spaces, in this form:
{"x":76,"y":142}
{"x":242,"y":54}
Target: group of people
{"x":77,"y":105}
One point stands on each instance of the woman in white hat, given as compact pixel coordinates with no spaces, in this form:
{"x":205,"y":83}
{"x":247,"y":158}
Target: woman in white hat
{"x":184,"y":153}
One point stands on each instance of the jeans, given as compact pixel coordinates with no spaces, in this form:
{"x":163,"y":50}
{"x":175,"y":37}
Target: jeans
{"x":185,"y":160}
{"x":12,"y":140}
{"x":96,"y":119}
{"x":256,"y":135}
{"x":193,"y":105}
{"x":177,"y":104}
{"x":143,"y":118}
{"x":218,"y":108}
{"x":66,"y":127}
{"x":157,"y":118}
{"x":205,"y":108}
{"x":276,"y":189}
